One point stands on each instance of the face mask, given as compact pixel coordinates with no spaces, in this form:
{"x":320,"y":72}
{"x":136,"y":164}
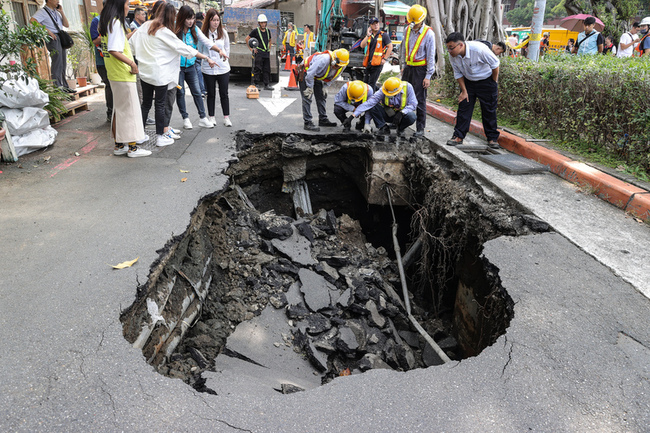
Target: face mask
{"x":643,"y":32}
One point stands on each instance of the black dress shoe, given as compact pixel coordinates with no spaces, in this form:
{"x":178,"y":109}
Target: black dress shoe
{"x":309,"y":126}
{"x":492,"y":144}
{"x":267,"y":87}
{"x":326,"y":122}
{"x":384,"y":130}
{"x":453,"y":141}
{"x":418,"y":134}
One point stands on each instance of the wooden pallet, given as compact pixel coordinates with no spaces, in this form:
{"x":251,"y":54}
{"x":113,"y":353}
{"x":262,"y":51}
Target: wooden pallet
{"x":84,"y":91}
{"x":73,"y":107}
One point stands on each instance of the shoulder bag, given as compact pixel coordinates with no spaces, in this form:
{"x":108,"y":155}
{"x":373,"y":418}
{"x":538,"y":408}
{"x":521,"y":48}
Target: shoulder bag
{"x":65,"y":38}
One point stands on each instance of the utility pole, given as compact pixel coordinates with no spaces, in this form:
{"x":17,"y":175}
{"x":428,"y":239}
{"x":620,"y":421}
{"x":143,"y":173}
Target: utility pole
{"x":536,"y":29}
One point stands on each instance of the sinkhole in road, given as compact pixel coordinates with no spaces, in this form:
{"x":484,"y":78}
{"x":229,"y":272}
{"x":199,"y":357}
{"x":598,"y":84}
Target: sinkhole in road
{"x":302,"y":233}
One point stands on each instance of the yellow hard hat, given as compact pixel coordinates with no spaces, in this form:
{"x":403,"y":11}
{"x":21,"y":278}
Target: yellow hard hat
{"x":357,"y":90}
{"x":392,"y":86}
{"x":342,"y":57}
{"x":416,"y":14}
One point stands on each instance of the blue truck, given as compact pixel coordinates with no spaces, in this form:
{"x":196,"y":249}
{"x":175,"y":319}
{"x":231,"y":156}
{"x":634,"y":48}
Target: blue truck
{"x":239,"y":22}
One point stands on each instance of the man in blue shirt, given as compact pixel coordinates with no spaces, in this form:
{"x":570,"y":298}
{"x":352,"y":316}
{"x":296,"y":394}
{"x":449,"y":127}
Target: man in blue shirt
{"x":476,"y":69}
{"x":398,"y":100}
{"x":589,"y":41}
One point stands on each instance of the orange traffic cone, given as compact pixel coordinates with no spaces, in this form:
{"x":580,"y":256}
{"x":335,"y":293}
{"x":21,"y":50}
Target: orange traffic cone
{"x":287,"y":64}
{"x":293,"y":84}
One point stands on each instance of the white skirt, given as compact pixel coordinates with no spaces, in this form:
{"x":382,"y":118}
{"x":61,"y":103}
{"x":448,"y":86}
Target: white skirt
{"x":127,"y":114}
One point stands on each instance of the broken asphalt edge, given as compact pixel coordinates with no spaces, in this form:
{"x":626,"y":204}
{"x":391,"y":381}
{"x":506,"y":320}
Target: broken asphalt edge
{"x":621,"y":194}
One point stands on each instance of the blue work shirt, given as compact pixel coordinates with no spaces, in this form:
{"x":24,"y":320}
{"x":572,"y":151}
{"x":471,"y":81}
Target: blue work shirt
{"x":426,"y":50}
{"x":380,"y":96}
{"x":478,"y":63}
{"x":318,"y":67}
{"x":341,"y":99}
{"x":94,"y":34}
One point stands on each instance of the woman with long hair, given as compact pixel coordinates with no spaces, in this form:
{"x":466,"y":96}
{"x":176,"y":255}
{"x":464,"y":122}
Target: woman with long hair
{"x":187,"y":31}
{"x":220,"y":72}
{"x":158,"y":51}
{"x":127,"y":126}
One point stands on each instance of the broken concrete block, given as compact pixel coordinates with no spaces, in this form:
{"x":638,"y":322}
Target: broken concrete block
{"x":344,"y":299}
{"x":317,"y":324}
{"x":430,"y":357}
{"x":305,"y":229}
{"x":315,"y":290}
{"x":375,"y":318}
{"x":347,"y":341}
{"x":371,"y":361}
{"x":327,"y":341}
{"x":278,"y":300}
{"x":288,"y":388}
{"x":273,"y":226}
{"x":317,"y":358}
{"x":405,"y":356}
{"x":297,"y":312}
{"x":295,"y":247}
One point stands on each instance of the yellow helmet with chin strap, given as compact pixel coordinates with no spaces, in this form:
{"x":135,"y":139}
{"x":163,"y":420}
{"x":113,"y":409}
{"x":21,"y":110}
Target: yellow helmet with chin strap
{"x":357,"y":90}
{"x":342,"y":57}
{"x":392,"y":86}
{"x":416,"y":14}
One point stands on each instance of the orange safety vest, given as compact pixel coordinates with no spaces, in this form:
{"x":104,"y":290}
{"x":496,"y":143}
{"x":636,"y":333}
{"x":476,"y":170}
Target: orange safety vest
{"x":326,"y":78}
{"x":410,"y":56}
{"x":402,"y":102}
{"x":638,"y":48}
{"x":379,"y":51}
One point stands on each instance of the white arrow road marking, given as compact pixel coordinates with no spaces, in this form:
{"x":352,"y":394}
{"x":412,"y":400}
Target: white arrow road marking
{"x":276,"y":104}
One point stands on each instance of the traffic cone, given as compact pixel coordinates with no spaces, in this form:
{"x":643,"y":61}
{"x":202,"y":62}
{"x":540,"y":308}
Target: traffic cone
{"x":293,"y":84}
{"x":287,"y":64}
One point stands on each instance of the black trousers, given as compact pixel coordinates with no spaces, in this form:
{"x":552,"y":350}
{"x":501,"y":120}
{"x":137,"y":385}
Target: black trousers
{"x":262,"y":70}
{"x":487,"y":93}
{"x":415,"y":75}
{"x":148,"y":91}
{"x":108,"y":92}
{"x":371,"y":75}
{"x":211,"y":82}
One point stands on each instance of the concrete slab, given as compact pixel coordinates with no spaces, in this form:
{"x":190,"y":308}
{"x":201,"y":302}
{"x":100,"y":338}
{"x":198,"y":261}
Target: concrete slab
{"x":513,"y":164}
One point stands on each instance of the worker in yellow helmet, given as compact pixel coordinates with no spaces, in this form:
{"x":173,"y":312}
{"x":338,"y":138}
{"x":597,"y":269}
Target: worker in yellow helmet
{"x":347,"y":100}
{"x":320,"y":69}
{"x":397,"y":102}
{"x":418,"y":60}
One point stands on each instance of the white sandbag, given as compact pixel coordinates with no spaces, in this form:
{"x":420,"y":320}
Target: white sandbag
{"x":34,"y":140}
{"x":21,"y":93}
{"x":22,"y":120}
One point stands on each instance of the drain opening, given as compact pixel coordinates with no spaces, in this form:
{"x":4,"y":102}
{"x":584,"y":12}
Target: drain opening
{"x":330,"y":275}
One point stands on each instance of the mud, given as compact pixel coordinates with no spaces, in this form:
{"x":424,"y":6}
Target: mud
{"x":238,"y":255}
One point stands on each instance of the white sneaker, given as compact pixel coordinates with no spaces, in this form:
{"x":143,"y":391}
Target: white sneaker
{"x":205,"y":123}
{"x":175,"y":131}
{"x":144,"y":140}
{"x":163,"y":141}
{"x":138,"y":152}
{"x":226,"y":121}
{"x":119,"y":151}
{"x":171,"y":135}
{"x":187,"y":124}
{"x":213,"y":120}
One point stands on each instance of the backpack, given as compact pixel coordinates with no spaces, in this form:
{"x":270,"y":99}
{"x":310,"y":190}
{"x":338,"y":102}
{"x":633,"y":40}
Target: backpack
{"x":488,"y":43}
{"x":638,"y":48}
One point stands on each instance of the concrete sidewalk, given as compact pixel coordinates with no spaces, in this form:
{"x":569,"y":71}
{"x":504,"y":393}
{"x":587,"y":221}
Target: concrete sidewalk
{"x":575,"y":358}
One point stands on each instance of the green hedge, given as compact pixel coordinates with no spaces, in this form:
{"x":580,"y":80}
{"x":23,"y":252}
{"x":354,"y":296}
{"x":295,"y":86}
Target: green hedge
{"x":592,"y":100}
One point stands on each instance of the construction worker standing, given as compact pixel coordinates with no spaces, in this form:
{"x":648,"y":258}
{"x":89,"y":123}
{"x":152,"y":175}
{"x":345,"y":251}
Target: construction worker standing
{"x":419,"y":55}
{"x":399,"y":103}
{"x":289,"y":41}
{"x":348,"y":99}
{"x":262,"y":52}
{"x":380,"y":47}
{"x":320,"y":69}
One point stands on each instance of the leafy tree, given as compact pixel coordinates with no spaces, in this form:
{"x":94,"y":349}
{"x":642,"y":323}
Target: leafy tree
{"x":523,"y":15}
{"x":12,"y":40}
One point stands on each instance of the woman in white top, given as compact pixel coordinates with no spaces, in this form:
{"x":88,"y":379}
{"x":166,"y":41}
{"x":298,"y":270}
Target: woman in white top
{"x":220,"y":71}
{"x":159,"y":51}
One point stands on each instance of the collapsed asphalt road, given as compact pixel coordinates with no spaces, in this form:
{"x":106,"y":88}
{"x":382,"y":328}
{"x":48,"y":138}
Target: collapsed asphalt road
{"x":574,"y":357}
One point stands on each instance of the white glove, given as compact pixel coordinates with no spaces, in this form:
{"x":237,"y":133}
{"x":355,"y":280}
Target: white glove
{"x":308,"y":92}
{"x":367,"y":128}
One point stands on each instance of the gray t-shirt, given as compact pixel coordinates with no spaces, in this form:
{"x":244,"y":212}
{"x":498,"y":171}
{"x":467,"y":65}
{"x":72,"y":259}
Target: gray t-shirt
{"x":44,"y":17}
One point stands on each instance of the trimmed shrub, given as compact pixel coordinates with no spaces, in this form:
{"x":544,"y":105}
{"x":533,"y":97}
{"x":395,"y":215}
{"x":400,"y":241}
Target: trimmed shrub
{"x":601,"y":101}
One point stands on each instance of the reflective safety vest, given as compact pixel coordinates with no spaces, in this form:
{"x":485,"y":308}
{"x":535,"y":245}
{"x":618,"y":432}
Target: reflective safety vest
{"x":364,"y":99}
{"x":410,"y":56}
{"x":378,"y":54}
{"x":263,"y":46}
{"x":326,"y":78}
{"x":402,"y":102}
{"x":291,"y":39}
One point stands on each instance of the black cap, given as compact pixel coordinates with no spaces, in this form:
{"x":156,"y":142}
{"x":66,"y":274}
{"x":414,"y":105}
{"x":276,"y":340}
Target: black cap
{"x":374,"y":20}
{"x":636,"y":24}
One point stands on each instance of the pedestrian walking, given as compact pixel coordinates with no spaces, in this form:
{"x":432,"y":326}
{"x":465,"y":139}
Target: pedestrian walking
{"x":398,"y":104}
{"x":627,"y":41}
{"x":589,"y":41}
{"x":476,"y":69}
{"x":100,"y":65}
{"x":219,"y":74}
{"x":347,"y":100}
{"x":419,"y":55}
{"x":159,"y":50}
{"x":320,"y":69}
{"x":51,"y":16}
{"x":262,"y":69}
{"x":191,"y":35}
{"x":378,"y":49}
{"x":126,"y":126}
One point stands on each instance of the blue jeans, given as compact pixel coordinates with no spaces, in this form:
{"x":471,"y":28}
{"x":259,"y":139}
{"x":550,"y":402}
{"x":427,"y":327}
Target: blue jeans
{"x":197,"y":65}
{"x":189,"y":74}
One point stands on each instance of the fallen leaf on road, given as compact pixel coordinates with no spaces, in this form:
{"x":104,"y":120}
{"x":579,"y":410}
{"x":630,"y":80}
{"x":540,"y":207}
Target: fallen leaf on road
{"x":185,"y":171}
{"x":183,"y":179}
{"x":345,"y":372}
{"x":47,"y":158}
{"x":76,"y":154}
{"x":125,"y":264}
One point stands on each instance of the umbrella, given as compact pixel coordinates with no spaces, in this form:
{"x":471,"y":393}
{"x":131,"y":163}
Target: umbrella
{"x":573,"y":23}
